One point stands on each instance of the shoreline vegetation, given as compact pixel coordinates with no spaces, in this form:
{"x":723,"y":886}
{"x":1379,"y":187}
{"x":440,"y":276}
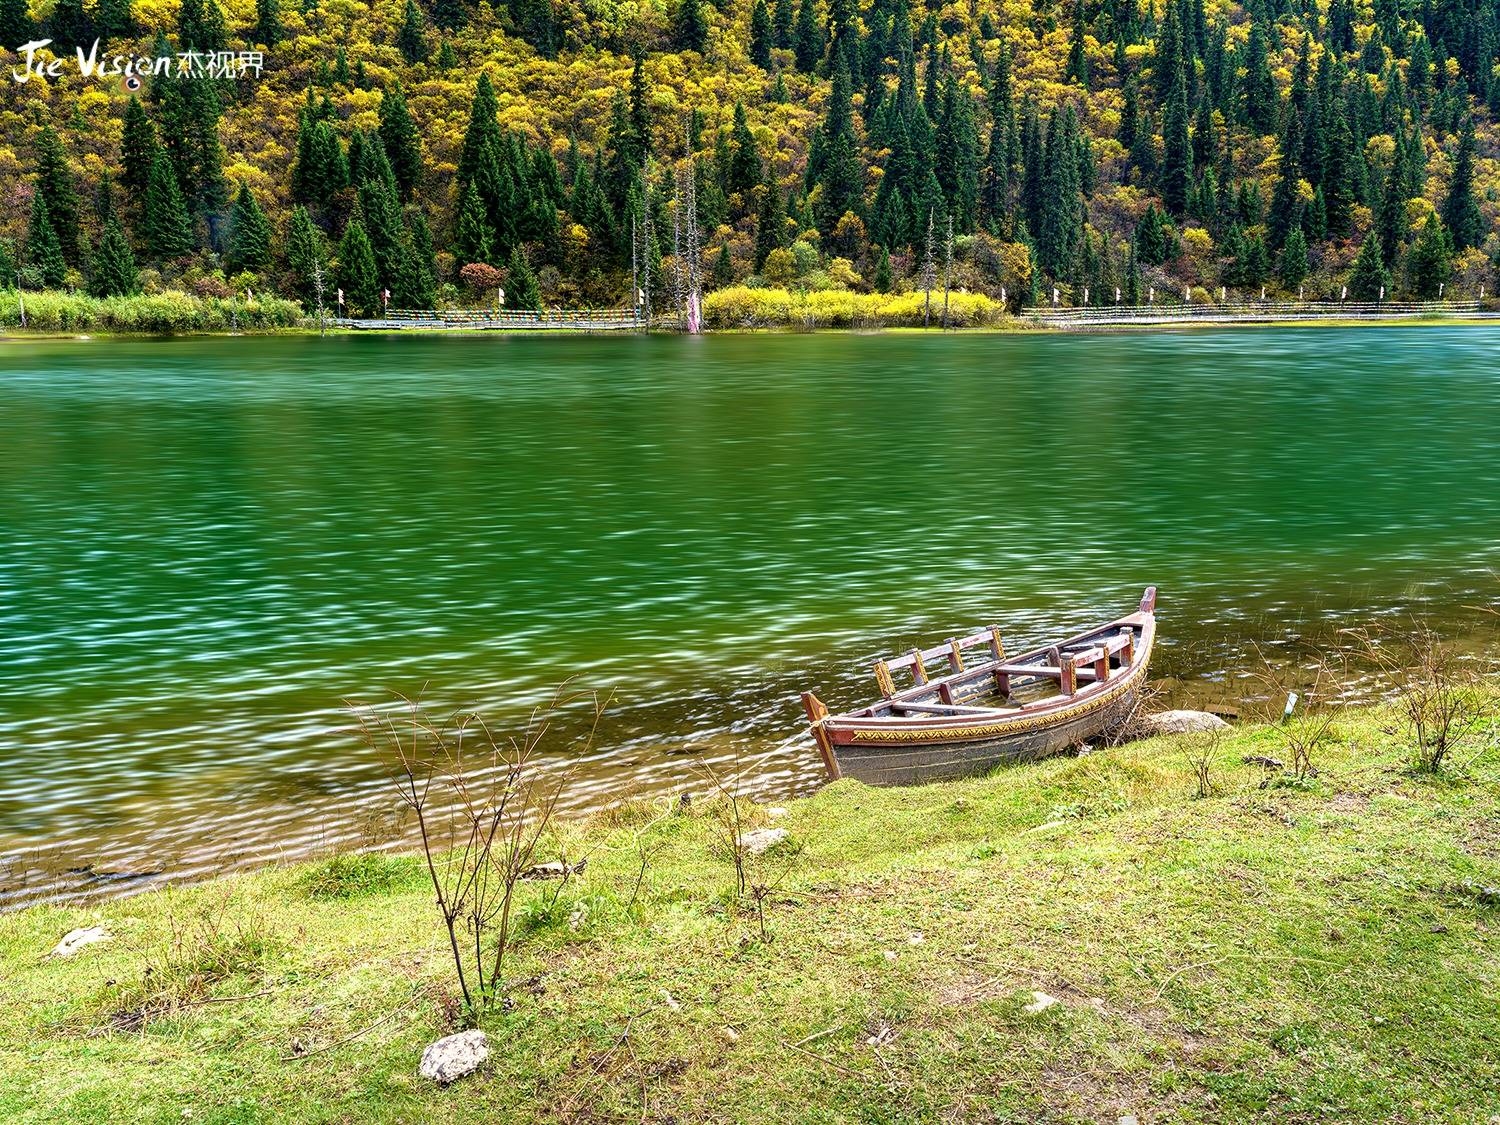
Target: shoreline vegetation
{"x":739,"y":308}
{"x":1179,"y":929}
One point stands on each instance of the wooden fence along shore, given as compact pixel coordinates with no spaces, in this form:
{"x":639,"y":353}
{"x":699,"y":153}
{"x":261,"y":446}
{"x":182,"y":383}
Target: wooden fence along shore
{"x":1062,"y":317}
{"x":568,"y":320}
{"x":1256,"y":312}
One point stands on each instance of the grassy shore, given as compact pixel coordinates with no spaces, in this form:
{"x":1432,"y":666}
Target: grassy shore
{"x":1311,"y":951}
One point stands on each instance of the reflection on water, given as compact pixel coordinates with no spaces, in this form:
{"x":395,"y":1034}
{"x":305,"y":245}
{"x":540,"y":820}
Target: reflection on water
{"x":208,"y":545}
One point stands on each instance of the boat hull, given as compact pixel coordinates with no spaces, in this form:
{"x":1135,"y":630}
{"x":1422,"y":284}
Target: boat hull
{"x":973,"y":752}
{"x":968,"y":720}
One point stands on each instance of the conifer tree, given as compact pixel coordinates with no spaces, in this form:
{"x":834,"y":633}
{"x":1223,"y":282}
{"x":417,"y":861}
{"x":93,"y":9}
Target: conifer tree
{"x":1132,"y":284}
{"x":1057,"y":236}
{"x":770,"y":224}
{"x":1460,"y":209}
{"x":809,"y":44}
{"x":1370,"y":276}
{"x":16,"y":26}
{"x":112,"y":271}
{"x":69,"y":25}
{"x":762,"y":36}
{"x":165,"y":227}
{"x":956,"y":146}
{"x":267,"y":30}
{"x":43,"y":251}
{"x":1260,"y":101}
{"x":306,"y":254}
{"x":1429,"y":263}
{"x":690,"y":26}
{"x":1149,"y":242}
{"x":200,"y":26}
{"x":842,"y":173}
{"x":722,"y":274}
{"x":356,"y":270}
{"x":473,"y":241}
{"x":137,"y":147}
{"x":882,"y":279}
{"x":1292,"y":268}
{"x":522,"y":291}
{"x":422,"y":293}
{"x":249,"y":234}
{"x":1177,"y":151}
{"x":744,"y":170}
{"x":783,"y":20}
{"x":1078,"y":60}
{"x":403,"y":146}
{"x":54,"y":179}
{"x":113,"y":20}
{"x":1390,"y":217}
{"x":411,"y":40}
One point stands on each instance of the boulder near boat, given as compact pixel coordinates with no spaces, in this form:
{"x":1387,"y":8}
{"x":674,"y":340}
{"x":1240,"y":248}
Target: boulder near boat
{"x":980,"y":708}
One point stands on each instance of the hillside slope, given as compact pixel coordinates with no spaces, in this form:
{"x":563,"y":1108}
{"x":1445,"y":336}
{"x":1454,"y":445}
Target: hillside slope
{"x":828,"y":144}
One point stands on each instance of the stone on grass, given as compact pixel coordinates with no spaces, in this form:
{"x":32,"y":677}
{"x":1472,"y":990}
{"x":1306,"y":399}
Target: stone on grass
{"x":454,"y":1056}
{"x":762,"y":840}
{"x":776,"y":812}
{"x":555,"y":869}
{"x":74,"y":940}
{"x":1178,"y":722}
{"x":1040,"y":1002}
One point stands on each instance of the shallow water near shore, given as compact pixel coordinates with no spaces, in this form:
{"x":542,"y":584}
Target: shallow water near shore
{"x":208,"y":545}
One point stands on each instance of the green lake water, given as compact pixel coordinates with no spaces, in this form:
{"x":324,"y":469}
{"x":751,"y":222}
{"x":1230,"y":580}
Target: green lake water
{"x":207,"y":545}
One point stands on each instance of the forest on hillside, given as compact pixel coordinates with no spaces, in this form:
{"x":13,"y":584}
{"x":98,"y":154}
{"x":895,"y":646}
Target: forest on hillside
{"x":440,"y":150}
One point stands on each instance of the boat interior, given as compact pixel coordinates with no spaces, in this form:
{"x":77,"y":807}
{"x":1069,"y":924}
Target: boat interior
{"x":968,"y":677}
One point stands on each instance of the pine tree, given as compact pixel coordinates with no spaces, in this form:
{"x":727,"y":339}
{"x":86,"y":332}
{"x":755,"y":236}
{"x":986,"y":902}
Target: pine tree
{"x":1260,"y":101}
{"x":356,"y":270}
{"x":54,"y":179}
{"x":842,"y":173}
{"x":1149,"y":241}
{"x":783,"y":19}
{"x":137,"y":147}
{"x":1078,"y":60}
{"x":249,"y":234}
{"x":267,"y":30}
{"x":1057,"y":236}
{"x":113,"y":20}
{"x":1177,"y":151}
{"x":411,"y":40}
{"x":16,"y":26}
{"x":306,"y":254}
{"x":449,"y":15}
{"x":422,"y":293}
{"x":690,"y":26}
{"x":744,"y":170}
{"x":200,"y":26}
{"x":762,"y":36}
{"x":809,"y":44}
{"x":43,"y":251}
{"x":1370,"y":277}
{"x":69,"y":24}
{"x":883,"y":271}
{"x":112,"y":272}
{"x":1285,"y":211}
{"x":1293,"y":266}
{"x":403,"y":146}
{"x":1460,"y":209}
{"x":1338,"y":177}
{"x":1429,"y":263}
{"x":522,"y":291}
{"x":482,"y":133}
{"x":1390,"y":217}
{"x":473,"y":241}
{"x":165,"y":227}
{"x":956,"y":145}
{"x":770,"y":224}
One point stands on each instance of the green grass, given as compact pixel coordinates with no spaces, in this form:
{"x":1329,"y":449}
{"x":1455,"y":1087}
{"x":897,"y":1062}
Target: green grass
{"x":1290,"y":954}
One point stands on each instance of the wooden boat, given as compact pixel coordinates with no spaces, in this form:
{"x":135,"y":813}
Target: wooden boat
{"x":979,"y":712}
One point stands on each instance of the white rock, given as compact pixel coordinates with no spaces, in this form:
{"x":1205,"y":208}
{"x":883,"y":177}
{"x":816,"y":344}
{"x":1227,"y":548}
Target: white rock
{"x":454,"y":1056}
{"x":670,"y":1001}
{"x":1040,"y":1002}
{"x":917,"y":938}
{"x":762,"y":840}
{"x":1127,"y":1119}
{"x":890,"y":954}
{"x":1178,"y":722}
{"x":729,"y":1034}
{"x":776,"y":812}
{"x":74,"y":940}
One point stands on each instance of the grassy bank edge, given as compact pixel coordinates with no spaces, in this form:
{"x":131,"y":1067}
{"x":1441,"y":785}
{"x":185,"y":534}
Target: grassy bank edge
{"x":1294,"y":951}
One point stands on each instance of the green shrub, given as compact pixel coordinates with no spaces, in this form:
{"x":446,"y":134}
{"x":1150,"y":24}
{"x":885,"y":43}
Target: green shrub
{"x":158,"y":314}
